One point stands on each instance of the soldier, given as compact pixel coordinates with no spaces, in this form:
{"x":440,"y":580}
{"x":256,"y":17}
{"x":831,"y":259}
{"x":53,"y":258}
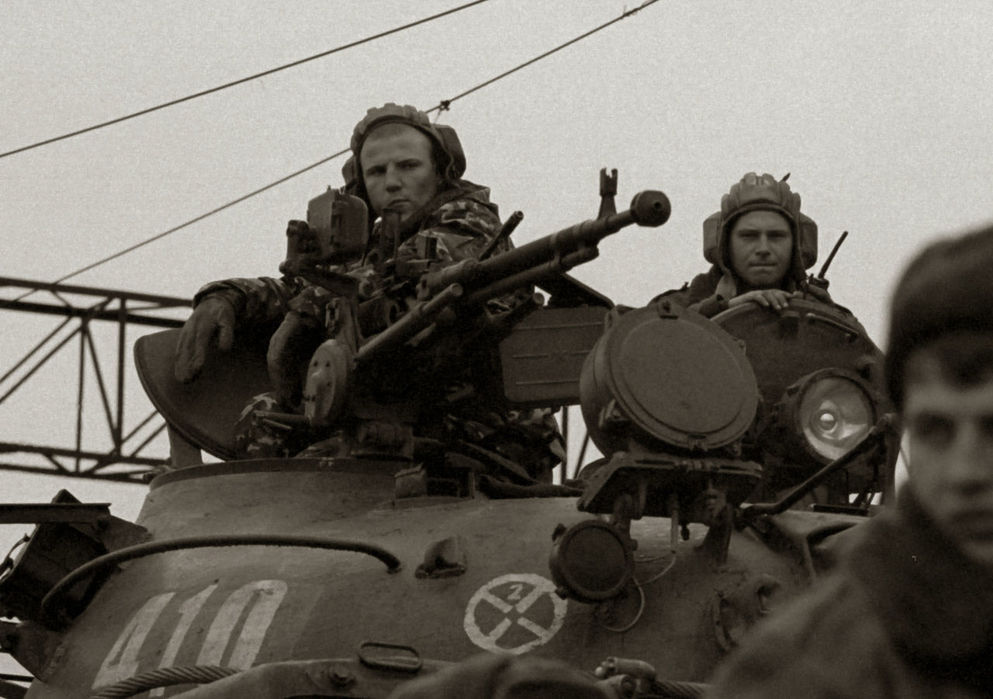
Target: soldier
{"x":411,"y":166}
{"x":909,"y":613}
{"x":760,"y":246}
{"x":400,"y":163}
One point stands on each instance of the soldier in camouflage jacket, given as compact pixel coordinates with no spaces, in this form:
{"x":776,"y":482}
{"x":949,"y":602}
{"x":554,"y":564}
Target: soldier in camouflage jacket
{"x":401,"y":163}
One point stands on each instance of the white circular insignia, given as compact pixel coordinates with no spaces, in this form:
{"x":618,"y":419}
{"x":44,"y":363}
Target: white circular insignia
{"x":514,"y":613}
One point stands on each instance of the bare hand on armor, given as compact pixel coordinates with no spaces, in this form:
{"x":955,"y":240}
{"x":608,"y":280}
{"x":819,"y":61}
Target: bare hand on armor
{"x":773,"y":299}
{"x":213,"y":317}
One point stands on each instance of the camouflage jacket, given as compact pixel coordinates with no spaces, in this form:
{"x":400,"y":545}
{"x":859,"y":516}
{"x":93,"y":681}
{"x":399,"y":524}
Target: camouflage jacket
{"x":906,"y":616}
{"x":460,"y":220}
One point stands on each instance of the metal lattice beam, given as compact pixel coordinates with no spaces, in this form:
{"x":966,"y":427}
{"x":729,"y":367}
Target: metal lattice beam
{"x":126,"y":459}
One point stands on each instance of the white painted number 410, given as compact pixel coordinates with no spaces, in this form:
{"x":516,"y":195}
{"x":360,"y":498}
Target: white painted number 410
{"x":255,"y":603}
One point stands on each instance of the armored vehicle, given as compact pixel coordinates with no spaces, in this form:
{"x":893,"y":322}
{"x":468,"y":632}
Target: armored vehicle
{"x":403,"y":551}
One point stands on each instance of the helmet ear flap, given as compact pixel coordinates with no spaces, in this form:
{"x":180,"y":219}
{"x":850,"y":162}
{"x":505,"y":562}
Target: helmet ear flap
{"x":451,"y":144}
{"x":807,"y":239}
{"x":350,"y":173}
{"x":353,"y":182}
{"x":711,"y":235}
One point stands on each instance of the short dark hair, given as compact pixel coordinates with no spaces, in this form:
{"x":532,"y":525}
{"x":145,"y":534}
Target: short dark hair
{"x":962,"y":359}
{"x":944,"y":303}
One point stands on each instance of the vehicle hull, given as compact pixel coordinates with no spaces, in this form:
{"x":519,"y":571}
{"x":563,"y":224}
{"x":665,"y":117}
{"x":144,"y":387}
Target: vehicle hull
{"x":241,"y":606}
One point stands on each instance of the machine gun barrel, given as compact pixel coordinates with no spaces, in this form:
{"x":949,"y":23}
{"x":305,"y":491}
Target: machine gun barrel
{"x":527,"y":264}
{"x":648,"y":208}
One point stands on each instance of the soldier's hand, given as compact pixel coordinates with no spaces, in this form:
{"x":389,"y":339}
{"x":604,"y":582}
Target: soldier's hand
{"x":773,"y":299}
{"x":212,"y":321}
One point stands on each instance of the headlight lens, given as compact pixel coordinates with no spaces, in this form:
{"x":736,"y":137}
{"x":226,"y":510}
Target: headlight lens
{"x":835,"y":413}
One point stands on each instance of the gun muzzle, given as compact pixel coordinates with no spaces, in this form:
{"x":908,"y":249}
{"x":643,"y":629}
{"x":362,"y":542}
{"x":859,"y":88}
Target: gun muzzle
{"x":650,"y":208}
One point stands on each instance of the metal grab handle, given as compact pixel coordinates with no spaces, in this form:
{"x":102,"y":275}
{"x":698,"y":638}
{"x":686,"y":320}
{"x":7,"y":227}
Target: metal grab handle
{"x":98,"y":565}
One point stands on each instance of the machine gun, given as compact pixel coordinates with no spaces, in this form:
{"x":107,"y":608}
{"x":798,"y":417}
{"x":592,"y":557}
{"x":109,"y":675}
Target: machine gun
{"x":460,"y":290}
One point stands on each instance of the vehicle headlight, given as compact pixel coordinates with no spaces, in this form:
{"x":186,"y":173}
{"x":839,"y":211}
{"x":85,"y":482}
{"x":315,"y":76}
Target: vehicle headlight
{"x":834,"y":412}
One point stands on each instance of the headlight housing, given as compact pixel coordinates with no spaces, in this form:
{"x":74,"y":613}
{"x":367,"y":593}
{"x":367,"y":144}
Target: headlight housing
{"x":833,"y":410}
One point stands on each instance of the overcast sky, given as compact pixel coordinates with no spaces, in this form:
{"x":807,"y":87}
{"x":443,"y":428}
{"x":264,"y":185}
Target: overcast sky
{"x":881,"y":112}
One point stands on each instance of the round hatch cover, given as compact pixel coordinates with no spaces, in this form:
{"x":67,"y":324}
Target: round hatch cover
{"x":674,"y":375}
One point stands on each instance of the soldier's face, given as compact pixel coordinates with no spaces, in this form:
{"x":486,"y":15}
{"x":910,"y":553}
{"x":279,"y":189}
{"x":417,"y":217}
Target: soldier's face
{"x":398,"y":169}
{"x":761,"y":248}
{"x":950,"y":465}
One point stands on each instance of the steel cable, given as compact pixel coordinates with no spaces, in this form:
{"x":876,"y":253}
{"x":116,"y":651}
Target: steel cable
{"x":239,"y":81}
{"x":163,"y":677}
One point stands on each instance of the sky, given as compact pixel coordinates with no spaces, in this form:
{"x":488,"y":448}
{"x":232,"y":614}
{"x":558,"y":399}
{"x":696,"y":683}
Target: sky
{"x":880,"y":111}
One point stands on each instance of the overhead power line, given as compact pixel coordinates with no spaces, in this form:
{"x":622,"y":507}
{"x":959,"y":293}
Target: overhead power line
{"x":195,"y":95}
{"x":444,"y":104}
{"x":193,"y":220}
{"x":441,"y":106}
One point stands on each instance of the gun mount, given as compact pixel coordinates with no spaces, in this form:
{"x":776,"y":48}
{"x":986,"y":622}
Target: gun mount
{"x":451,"y":298}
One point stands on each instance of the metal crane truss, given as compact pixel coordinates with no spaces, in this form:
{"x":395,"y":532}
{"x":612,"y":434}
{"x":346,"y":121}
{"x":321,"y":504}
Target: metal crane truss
{"x":81,"y":308}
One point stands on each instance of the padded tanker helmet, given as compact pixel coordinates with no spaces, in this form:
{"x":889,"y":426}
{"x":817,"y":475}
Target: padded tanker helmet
{"x":760,"y":193}
{"x":444,"y":141}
